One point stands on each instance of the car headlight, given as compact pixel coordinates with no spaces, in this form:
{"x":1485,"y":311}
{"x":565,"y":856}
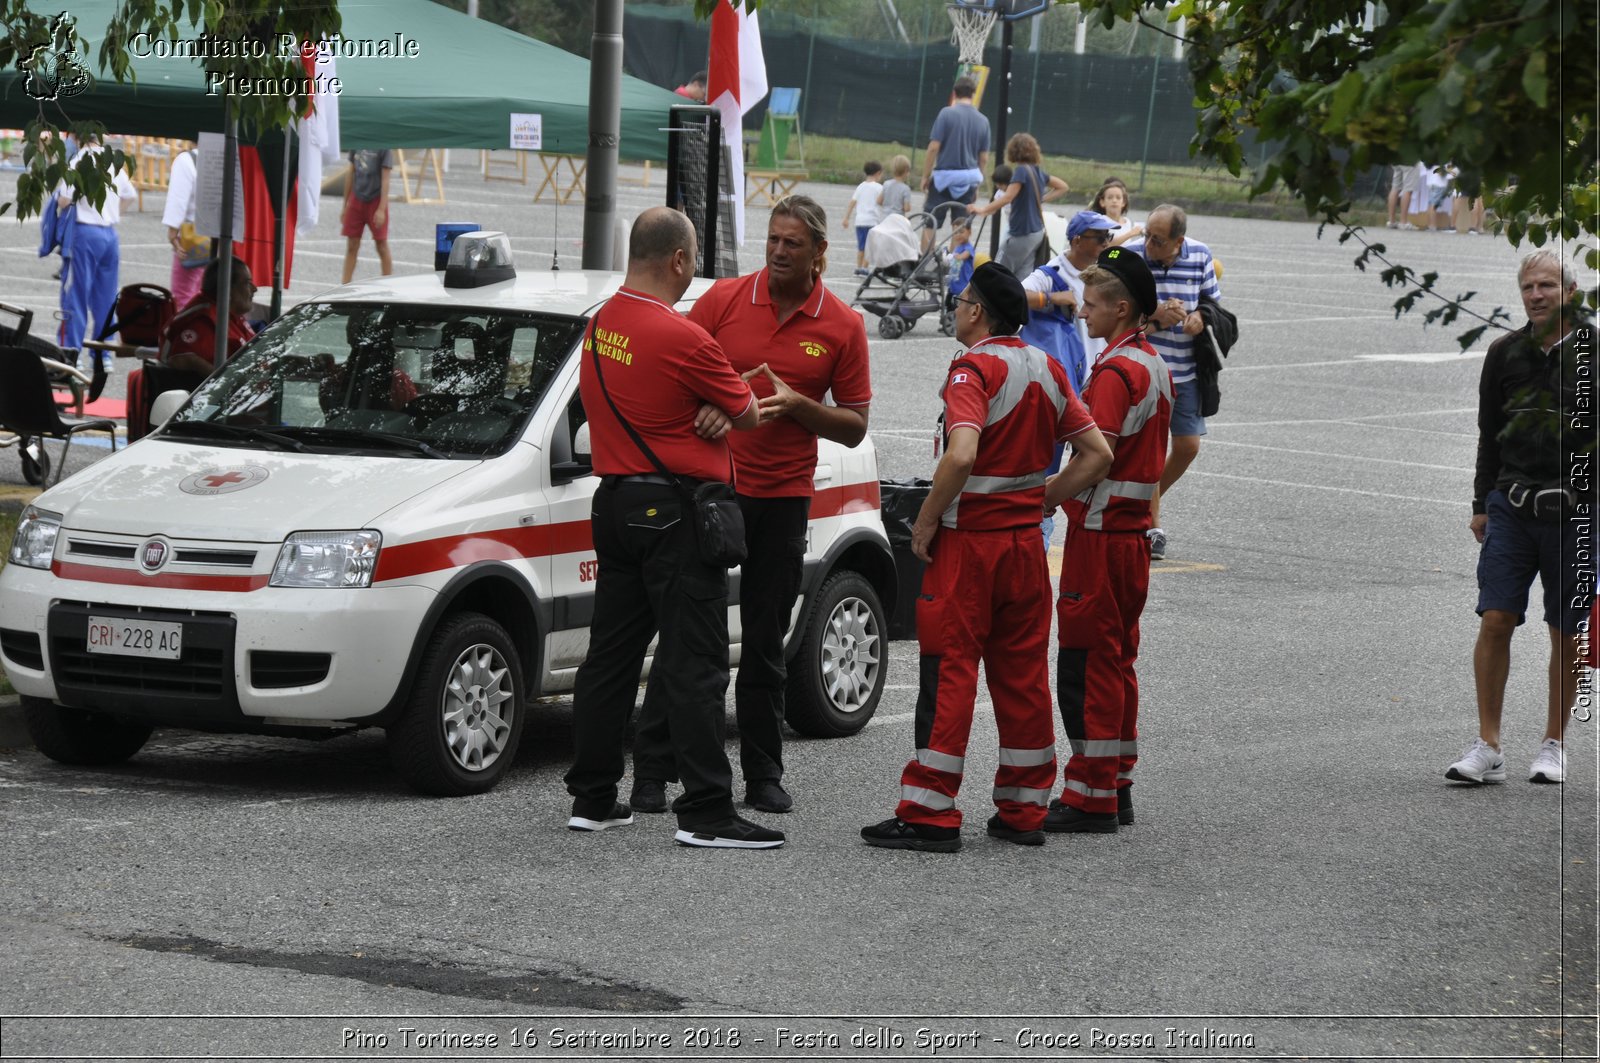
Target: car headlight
{"x":327,"y":559}
{"x":35,"y":542}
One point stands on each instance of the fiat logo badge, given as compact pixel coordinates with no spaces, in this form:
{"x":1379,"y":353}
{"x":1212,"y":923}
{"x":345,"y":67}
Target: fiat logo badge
{"x":153,"y":555}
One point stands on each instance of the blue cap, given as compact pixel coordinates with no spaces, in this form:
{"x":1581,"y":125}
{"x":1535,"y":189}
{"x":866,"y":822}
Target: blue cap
{"x":1085,"y":220}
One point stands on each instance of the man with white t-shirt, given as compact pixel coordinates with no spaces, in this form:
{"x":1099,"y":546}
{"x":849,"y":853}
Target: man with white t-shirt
{"x":89,"y":286}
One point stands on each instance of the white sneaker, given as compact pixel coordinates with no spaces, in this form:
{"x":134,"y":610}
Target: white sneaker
{"x":1550,"y":764}
{"x":1480,"y":763}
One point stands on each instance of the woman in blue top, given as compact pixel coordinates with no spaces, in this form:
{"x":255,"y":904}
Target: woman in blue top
{"x":1029,"y":189}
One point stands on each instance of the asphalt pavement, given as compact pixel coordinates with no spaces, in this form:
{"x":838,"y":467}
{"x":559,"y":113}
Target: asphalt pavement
{"x":1301,"y":882}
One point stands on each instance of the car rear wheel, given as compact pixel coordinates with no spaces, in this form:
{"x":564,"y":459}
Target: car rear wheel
{"x":460,"y":730}
{"x":836,"y":679}
{"x":82,"y":737}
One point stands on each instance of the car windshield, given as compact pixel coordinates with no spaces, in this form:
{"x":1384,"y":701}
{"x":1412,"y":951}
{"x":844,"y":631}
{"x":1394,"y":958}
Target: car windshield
{"x":404,"y":379}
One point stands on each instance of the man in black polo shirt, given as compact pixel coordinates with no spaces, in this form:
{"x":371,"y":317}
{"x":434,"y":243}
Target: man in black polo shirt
{"x":1533,"y":435}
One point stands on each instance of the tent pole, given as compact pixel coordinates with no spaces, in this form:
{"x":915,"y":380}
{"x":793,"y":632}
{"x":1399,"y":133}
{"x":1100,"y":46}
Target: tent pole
{"x":280,"y":238}
{"x":605,"y":134}
{"x":230,"y":168}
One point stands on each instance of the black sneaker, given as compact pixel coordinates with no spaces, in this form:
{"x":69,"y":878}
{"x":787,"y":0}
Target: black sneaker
{"x":731,"y":833}
{"x":1125,"y":805}
{"x":1064,"y":819}
{"x":999,"y":829}
{"x":649,"y":795}
{"x":896,"y":833}
{"x":768,"y":796}
{"x":619,"y":816}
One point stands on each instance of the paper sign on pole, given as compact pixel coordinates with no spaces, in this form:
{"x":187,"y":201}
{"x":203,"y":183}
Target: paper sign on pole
{"x":527,"y":132}
{"x":208,"y":189}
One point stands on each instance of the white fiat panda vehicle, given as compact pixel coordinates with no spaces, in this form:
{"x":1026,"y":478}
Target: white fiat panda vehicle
{"x":377,"y":514}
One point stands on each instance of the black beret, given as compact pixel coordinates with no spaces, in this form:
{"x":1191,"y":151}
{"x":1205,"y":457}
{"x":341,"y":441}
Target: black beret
{"x":1001,"y":294}
{"x":1134,"y":273}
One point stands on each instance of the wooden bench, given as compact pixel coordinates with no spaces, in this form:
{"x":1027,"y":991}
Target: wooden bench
{"x":769,"y":186}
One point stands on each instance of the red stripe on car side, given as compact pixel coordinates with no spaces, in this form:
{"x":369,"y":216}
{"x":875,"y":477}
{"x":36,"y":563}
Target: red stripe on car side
{"x":847,"y":498}
{"x":500,"y":544}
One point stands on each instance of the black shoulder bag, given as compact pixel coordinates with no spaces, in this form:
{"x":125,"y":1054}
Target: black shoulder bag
{"x":718,"y":521}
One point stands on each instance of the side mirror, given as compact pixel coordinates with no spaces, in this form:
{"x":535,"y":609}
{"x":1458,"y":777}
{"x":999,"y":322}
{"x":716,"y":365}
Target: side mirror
{"x":563,"y":472}
{"x":167,"y":403}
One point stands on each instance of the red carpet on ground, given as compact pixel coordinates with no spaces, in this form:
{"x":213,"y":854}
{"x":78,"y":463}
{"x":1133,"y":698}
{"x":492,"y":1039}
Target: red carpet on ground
{"x":116,"y":409}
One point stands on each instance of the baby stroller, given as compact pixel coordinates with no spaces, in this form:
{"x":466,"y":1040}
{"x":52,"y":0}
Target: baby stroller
{"x":904,"y":282}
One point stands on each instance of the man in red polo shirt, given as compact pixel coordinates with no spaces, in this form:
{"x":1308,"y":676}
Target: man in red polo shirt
{"x":986,"y":592}
{"x":794,"y":341}
{"x":1105,"y":567}
{"x":644,"y":363}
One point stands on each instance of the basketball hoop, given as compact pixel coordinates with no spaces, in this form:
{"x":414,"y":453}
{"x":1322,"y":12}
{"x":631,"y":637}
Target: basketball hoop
{"x":972,"y":26}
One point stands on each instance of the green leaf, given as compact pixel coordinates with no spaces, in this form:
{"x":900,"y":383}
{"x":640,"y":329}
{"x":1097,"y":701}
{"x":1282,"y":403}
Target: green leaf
{"x":1535,"y":80}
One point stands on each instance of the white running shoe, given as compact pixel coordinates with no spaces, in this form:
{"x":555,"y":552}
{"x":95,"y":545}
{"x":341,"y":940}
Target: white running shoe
{"x":1550,"y":764}
{"x":1480,"y":763}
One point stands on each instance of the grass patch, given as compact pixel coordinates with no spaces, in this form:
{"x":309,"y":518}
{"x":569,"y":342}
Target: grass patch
{"x":8,"y":527}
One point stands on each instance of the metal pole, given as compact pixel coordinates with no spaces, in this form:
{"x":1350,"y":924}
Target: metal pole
{"x":280,"y":232}
{"x":230,"y":167}
{"x":922,"y":75}
{"x":811,"y":50}
{"x":605,"y":134}
{"x":1149,"y":118}
{"x":1000,"y":125}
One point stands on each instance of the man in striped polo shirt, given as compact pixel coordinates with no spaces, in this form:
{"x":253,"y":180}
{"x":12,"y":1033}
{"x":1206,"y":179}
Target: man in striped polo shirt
{"x":986,"y":592}
{"x":1183,"y":271}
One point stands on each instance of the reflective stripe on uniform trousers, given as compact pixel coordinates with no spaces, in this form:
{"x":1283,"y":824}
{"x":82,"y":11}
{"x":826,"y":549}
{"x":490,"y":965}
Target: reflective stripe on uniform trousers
{"x":1025,"y":758}
{"x":1022,"y":795}
{"x":1089,"y":791}
{"x":932,"y":758}
{"x":918,"y":795}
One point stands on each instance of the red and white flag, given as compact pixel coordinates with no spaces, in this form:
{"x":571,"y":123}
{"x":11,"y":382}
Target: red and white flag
{"x":736,"y":81}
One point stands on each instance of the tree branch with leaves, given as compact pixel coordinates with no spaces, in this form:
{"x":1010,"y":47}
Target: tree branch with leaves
{"x":52,"y":50}
{"x":1335,"y":88}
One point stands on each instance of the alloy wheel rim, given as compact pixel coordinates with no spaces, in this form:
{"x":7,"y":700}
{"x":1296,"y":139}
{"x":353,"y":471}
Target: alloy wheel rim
{"x":851,"y":660}
{"x":478,"y":708}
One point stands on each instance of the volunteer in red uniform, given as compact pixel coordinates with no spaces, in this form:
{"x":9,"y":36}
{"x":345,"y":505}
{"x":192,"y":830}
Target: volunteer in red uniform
{"x":642,"y":359}
{"x":795,"y":341}
{"x":986,"y":592}
{"x":190,"y":341}
{"x":1105,"y":569}
{"x":192,"y":336}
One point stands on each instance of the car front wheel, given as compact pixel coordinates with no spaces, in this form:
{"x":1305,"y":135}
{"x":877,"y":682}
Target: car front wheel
{"x":82,"y":737}
{"x":836,"y":679}
{"x":460,"y":730}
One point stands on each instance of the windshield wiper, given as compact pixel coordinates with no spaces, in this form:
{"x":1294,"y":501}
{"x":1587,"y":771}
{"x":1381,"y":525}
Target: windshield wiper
{"x":234,"y":431}
{"x":366,"y":435}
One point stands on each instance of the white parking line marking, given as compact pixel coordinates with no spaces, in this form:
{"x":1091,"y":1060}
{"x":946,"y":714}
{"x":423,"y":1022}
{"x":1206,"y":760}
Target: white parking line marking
{"x":1365,"y":359}
{"x":1454,"y":502}
{"x":1341,"y":457}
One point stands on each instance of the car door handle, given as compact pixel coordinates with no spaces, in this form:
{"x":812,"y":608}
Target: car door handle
{"x":823,"y":476}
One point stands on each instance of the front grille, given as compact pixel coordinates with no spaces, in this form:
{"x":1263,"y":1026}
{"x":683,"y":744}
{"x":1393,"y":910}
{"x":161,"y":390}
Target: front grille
{"x":89,"y":548}
{"x":277,"y":669}
{"x":22,"y":648}
{"x":195,"y":689}
{"x":227,"y":558}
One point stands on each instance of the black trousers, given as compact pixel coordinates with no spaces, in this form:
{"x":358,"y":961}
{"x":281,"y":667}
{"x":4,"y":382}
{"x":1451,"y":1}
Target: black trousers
{"x":651,"y":579}
{"x":769,"y":581}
